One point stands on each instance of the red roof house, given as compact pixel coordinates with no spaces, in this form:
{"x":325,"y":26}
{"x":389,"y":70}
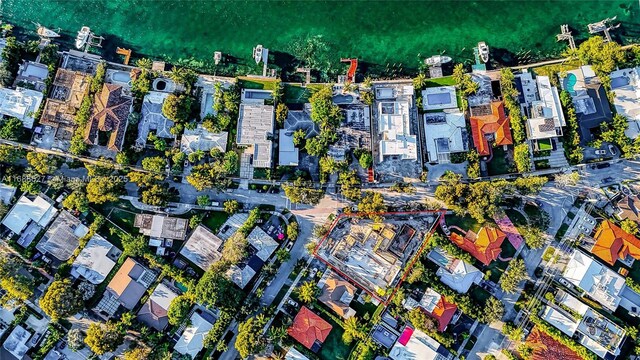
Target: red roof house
{"x":613,"y":243}
{"x":490,"y":127}
{"x":309,"y":329}
{"x":484,"y":246}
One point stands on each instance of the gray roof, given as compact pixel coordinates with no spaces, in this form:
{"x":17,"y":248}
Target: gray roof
{"x":203,"y":248}
{"x":154,"y":312}
{"x":63,"y":236}
{"x":262,"y":242}
{"x":158,"y":226}
{"x":255,"y":126}
{"x":96,"y":260}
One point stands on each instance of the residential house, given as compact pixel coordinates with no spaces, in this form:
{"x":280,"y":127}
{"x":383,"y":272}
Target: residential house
{"x":126,"y":288}
{"x":152,"y":119}
{"x":589,"y":99}
{"x":435,"y":305}
{"x":28,"y":217}
{"x":202,"y":248}
{"x":337,"y":294}
{"x":191,"y":342}
{"x":96,"y":260}
{"x":62,"y":237}
{"x":241,"y":274}
{"x":625,"y":85}
{"x":6,"y":193}
{"x":154,"y":312}
{"x":490,"y":127}
{"x":201,"y":139}
{"x":161,"y":227}
{"x":354,"y":131}
{"x":439,"y":98}
{"x":293,"y":354}
{"x":445,"y":134}
{"x":413,"y":344}
{"x":256,"y":123}
{"x":590,"y":329}
{"x":288,"y":154}
{"x":263,"y":244}
{"x":33,"y":75}
{"x":65,"y":98}
{"x":309,"y":329}
{"x":233,"y":223}
{"x":613,"y":243}
{"x":629,"y":207}
{"x":395,"y":136}
{"x":596,"y":280}
{"x":21,"y":104}
{"x":111,"y":109}
{"x":17,"y":342}
{"x":457,"y":274}
{"x":484,"y":246}
{"x":545,"y":118}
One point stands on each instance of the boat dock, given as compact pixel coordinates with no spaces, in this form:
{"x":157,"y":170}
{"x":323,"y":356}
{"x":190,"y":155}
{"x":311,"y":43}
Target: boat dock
{"x":565,"y":34}
{"x":603,"y":26}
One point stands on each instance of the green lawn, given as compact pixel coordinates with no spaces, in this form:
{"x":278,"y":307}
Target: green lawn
{"x":516,"y":218}
{"x":214,"y":220}
{"x":443,"y":81}
{"x":333,"y":348}
{"x":464,"y":222}
{"x":254,"y":83}
{"x":497,"y":267}
{"x":499,"y":164}
{"x":295,"y":94}
{"x":544,"y":145}
{"x":361,"y":309}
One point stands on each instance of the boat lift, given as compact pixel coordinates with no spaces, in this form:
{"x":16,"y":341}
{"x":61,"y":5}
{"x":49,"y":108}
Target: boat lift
{"x":566,"y":35}
{"x":603,"y":26}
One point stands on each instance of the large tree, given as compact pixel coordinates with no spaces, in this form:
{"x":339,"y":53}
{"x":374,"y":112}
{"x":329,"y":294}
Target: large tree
{"x":101,"y":189}
{"x":17,"y":284}
{"x":235,"y":248}
{"x":308,"y":292}
{"x":103,"y":338}
{"x":179,"y":309}
{"x":493,"y":310}
{"x":177,"y":107}
{"x":11,"y":129}
{"x":216,"y":290}
{"x":155,"y":164}
{"x":42,"y":163}
{"x":515,"y":273}
{"x":61,"y":300}
{"x":250,"y":339}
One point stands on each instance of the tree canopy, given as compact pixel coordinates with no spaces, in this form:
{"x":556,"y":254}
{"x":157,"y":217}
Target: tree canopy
{"x":250,"y":339}
{"x":61,"y":300}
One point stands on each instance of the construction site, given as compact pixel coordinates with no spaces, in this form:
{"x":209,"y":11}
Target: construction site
{"x":377,"y":256}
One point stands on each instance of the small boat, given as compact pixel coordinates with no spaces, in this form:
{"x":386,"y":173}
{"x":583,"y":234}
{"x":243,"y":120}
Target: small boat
{"x":437,"y":60}
{"x":217,"y":56}
{"x":46,"y":33}
{"x":257,"y":54}
{"x":83,"y":37}
{"x":483,"y":50}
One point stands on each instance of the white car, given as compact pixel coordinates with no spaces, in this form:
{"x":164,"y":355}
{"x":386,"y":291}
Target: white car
{"x":601,"y":152}
{"x":564,"y":282}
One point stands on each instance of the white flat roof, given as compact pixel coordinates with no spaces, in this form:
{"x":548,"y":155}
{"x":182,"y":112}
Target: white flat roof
{"x":438,"y":98}
{"x":16,"y":343}
{"x":288,"y":154}
{"x":93,"y":263}
{"x":560,"y":321}
{"x":420,"y":346}
{"x":20,"y":103}
{"x":394,"y":128}
{"x":191,"y":341}
{"x":601,"y":283}
{"x":625,"y":84}
{"x":443,"y":133}
{"x":255,"y":125}
{"x":39,"y":210}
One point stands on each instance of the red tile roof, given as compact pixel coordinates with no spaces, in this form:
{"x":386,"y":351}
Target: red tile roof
{"x":546,"y":348}
{"x":496,"y":123}
{"x":309,"y":328}
{"x":613,"y":243}
{"x":485,"y":246}
{"x":443,"y":313}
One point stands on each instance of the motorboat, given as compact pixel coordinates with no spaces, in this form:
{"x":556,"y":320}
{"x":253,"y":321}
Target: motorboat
{"x":257,"y":54}
{"x":46,"y":33}
{"x":437,"y":60}
{"x":483,"y":51}
{"x":83,"y":37}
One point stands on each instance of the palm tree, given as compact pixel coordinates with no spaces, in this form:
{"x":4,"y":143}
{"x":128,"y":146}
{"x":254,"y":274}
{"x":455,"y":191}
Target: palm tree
{"x":277,"y":334}
{"x":420,"y":81}
{"x":144,"y":63}
{"x":368,"y":82}
{"x":307,"y":292}
{"x":354,"y":328}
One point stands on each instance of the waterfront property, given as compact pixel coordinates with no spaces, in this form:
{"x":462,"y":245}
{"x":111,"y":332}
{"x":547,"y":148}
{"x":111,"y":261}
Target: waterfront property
{"x":255,"y":128}
{"x":439,"y":98}
{"x":152,"y":119}
{"x":544,"y":118}
{"x":371,"y":254}
{"x":111,"y":111}
{"x":126,"y":288}
{"x":599,"y":282}
{"x":200,"y":139}
{"x":490,"y":126}
{"x":589,"y":99}
{"x":32,"y":75}
{"x":625,"y":85}
{"x":396,"y":139}
{"x":296,"y":120}
{"x":353,"y":133}
{"x":96,"y":260}
{"x":445,"y":134}
{"x":28,"y":217}
{"x":21,"y":104}
{"x":62,"y":237}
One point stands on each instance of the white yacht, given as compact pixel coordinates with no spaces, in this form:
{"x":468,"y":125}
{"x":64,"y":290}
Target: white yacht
{"x":257,"y":54}
{"x":83,"y":37}
{"x":483,"y":51}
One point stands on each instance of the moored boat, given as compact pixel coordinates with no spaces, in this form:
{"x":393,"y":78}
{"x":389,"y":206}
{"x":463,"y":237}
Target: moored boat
{"x":83,"y":37}
{"x":483,"y":51}
{"x":257,"y":54}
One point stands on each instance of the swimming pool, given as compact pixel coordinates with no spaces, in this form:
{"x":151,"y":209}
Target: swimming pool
{"x":121,"y":76}
{"x":569,"y":82}
{"x":208,"y":104}
{"x":343,"y":99}
{"x":619,"y":81}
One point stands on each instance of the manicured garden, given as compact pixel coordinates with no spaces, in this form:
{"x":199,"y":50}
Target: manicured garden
{"x":497,"y":267}
{"x":464,"y":222}
{"x":499,"y":164}
{"x":214,"y":220}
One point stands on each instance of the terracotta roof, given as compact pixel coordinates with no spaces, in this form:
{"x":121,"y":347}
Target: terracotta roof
{"x":309,"y":329}
{"x":110,"y":112}
{"x":335,"y":293}
{"x":546,"y":348}
{"x":484,"y":246}
{"x":125,"y":287}
{"x":612,"y":243}
{"x":496,"y":123}
{"x":443,"y":313}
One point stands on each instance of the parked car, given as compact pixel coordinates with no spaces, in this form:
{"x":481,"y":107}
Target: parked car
{"x":292,"y":303}
{"x":602,"y":165}
{"x":564,"y":282}
{"x":601,"y":152}
{"x":612,"y":150}
{"x":607,"y":180}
